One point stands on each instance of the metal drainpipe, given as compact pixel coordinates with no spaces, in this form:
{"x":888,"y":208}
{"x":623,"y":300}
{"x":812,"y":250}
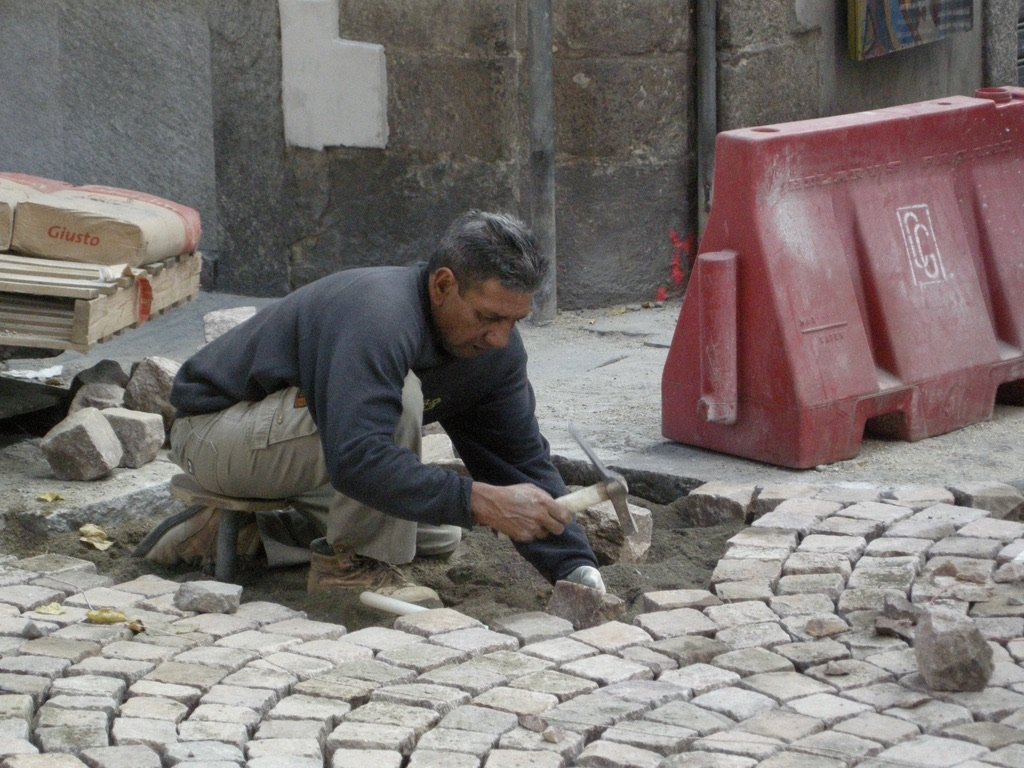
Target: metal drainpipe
{"x":542,"y":153}
{"x":707,"y":106}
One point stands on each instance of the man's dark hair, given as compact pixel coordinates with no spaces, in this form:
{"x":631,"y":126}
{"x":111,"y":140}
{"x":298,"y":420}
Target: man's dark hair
{"x":479,"y":246}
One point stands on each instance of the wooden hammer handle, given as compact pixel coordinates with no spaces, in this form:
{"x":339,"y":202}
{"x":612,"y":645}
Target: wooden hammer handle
{"x":584,"y":498}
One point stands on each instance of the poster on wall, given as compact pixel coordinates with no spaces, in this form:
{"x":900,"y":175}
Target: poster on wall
{"x":881,"y":27}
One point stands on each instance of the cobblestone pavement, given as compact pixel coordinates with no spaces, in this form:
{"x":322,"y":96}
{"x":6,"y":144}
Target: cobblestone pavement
{"x":779,"y":665}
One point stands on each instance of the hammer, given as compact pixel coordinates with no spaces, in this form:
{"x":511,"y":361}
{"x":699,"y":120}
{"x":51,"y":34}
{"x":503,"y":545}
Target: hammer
{"x":612,"y":487}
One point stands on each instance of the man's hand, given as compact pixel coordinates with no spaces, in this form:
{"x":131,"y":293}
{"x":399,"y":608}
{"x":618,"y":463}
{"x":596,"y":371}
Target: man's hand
{"x":522,"y":512}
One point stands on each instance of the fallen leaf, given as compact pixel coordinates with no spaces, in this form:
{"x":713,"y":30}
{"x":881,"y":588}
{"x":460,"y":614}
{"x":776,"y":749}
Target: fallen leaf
{"x":50,"y":497}
{"x":95,"y":536}
{"x":105,"y":616}
{"x":50,"y":609}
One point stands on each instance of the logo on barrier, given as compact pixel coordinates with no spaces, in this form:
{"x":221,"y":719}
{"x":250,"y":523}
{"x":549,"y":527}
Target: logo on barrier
{"x":922,"y":247}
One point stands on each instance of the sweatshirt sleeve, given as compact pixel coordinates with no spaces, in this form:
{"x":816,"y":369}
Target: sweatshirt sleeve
{"x":353,"y":378}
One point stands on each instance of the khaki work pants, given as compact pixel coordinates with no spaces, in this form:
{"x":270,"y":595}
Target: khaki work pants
{"x":271,"y":450}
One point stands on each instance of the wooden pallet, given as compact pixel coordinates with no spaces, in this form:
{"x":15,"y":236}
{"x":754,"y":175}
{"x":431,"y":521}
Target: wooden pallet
{"x":68,"y":305}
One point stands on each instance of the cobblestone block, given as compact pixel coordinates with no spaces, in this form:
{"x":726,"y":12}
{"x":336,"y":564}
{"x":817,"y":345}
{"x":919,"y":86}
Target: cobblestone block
{"x":746,"y":570}
{"x":303,"y":667}
{"x":797,"y":514}
{"x":510,"y":664}
{"x":375,"y":736}
{"x":475,"y":743}
{"x":154,"y":708}
{"x":259,"y":642}
{"x":918,"y":497}
{"x":779,"y":724}
{"x":73,"y":582}
{"x":752,"y":661}
{"x":932,"y":716}
{"x":656,"y":662}
{"x":470,"y":717}
{"x":303,"y":707}
{"x":434,"y":622}
{"x":355,"y":692}
{"x":885,"y":572}
{"x":1000,"y":629}
{"x":989,"y":704}
{"x":592,"y":713}
{"x":439,"y":698}
{"x":698,"y":679}
{"x":673,"y":623}
{"x":883,"y":729}
{"x":741,"y":744}
{"x":94,"y":633}
{"x":670,"y":599}
{"x":564,"y":744}
{"x":202,"y":751}
{"x":46,"y":667}
{"x":989,"y":735}
{"x":932,"y":751}
{"x":193,"y":675}
{"x":515,"y":758}
{"x":472,"y":680}
{"x":769,"y":496}
{"x":532,"y":627}
{"x":292,"y":750}
{"x":1012,"y":551}
{"x":476,"y":641}
{"x":839,"y":525}
{"x":340,"y":651}
{"x":966,"y":546}
{"x":805,"y":563}
{"x":27,"y":597}
{"x":18,"y":706}
{"x":305,"y":629}
{"x":366,"y":758}
{"x":690,"y":649}
{"x":1005,"y":531}
{"x":830,"y":584}
{"x":735,"y":703}
{"x":743,"y":591}
{"x":766,"y":634}
{"x":28,"y":684}
{"x":687,"y":715}
{"x":764,"y":537}
{"x":154,"y":734}
{"x":849,"y":492}
{"x":132,"y":756}
{"x":921,"y":528}
{"x":429,"y":758}
{"x":784,"y":686}
{"x":714,"y":502}
{"x":259,"y":700}
{"x":226,"y":713}
{"x":850,"y":546}
{"x":611,"y":636}
{"x":560,"y":650}
{"x":231,"y":659}
{"x":235,"y":734}
{"x":661,"y":738}
{"x":388,"y":713}
{"x":815,"y":626}
{"x":795,"y":605}
{"x":217,"y":625}
{"x":845,"y":674}
{"x":829,"y":708}
{"x":739,"y":552}
{"x":419,"y":657}
{"x":832,"y":743}
{"x":609,"y":753}
{"x":1001,"y":499}
{"x":315,"y":729}
{"x":804,"y":655}
{"x":15,"y":729}
{"x":124,"y":649}
{"x":563,"y":686}
{"x":104,"y":597}
{"x":606,"y":669}
{"x":899,"y":546}
{"x":516,"y":700}
{"x":738,"y":614}
{"x":60,"y":648}
{"x":20,"y":627}
{"x":183,"y":694}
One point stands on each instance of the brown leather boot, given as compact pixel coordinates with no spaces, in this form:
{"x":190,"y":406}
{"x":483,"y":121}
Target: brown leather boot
{"x":346,"y":570}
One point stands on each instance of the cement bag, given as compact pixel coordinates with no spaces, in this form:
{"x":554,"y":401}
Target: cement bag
{"x":16,"y":188}
{"x":104,"y":225}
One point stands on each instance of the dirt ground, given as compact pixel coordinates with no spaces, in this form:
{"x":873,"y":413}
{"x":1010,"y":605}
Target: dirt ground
{"x":485,"y":578}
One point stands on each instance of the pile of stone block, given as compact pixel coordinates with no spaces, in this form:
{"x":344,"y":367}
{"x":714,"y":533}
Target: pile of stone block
{"x":114,"y":419}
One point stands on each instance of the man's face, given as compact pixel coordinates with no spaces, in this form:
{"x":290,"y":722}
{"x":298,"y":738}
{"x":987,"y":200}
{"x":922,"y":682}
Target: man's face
{"x":477,"y":319}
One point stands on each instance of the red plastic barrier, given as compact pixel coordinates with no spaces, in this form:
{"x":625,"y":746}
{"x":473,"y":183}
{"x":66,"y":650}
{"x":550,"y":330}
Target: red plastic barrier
{"x":876,"y":280}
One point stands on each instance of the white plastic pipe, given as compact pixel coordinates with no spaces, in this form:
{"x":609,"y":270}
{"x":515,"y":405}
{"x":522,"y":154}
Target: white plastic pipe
{"x":389,"y":604}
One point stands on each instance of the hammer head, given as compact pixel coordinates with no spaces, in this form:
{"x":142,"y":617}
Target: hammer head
{"x":615,"y":485}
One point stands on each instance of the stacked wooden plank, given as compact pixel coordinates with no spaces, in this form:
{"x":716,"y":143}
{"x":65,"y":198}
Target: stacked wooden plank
{"x":90,"y":262}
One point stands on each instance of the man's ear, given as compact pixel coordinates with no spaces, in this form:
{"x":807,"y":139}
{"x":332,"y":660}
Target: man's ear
{"x":442,"y":284}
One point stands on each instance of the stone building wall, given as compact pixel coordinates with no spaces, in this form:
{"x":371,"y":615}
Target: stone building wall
{"x":183,"y":99}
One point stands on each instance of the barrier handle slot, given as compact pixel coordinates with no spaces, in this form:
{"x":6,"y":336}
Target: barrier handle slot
{"x":716,"y":273}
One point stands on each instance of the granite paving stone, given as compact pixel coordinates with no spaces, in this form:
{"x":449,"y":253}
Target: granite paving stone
{"x":429,"y":758}
{"x":435,"y":622}
{"x":830,"y":708}
{"x":472,"y":680}
{"x":933,"y":716}
{"x":662,"y":738}
{"x":450,"y":740}
{"x":700,"y":678}
{"x":755,"y":536}
{"x":515,"y":758}
{"x":294,"y":729}
{"x":532,"y":627}
{"x":805,"y":563}
{"x":560,"y":650}
{"x":747,"y":570}
{"x":746,"y":590}
{"x":830,"y":584}
{"x":690,"y":649}
{"x":236,"y":734}
{"x":374,"y":736}
{"x":130,"y":756}
{"x":226,"y":713}
{"x":516,"y":700}
{"x":653,"y":660}
{"x":338,"y":651}
{"x":699,"y":759}
{"x":609,"y":753}
{"x":231,"y":659}
{"x":927,"y":751}
{"x":739,"y":743}
{"x":305,"y":629}
{"x":734,"y":702}
{"x":154,"y":708}
{"x":476,"y":640}
{"x":470,"y":717}
{"x":766,"y":634}
{"x":366,"y":758}
{"x":178,"y":673}
{"x":676,"y":622}
{"x":837,"y":745}
{"x":151,"y":733}
{"x":670,"y":599}
{"x":611,"y":636}
{"x":303,"y":667}
{"x":564,"y":686}
{"x":752,"y":661}
{"x":592,"y":713}
{"x":780,"y":724}
{"x":784,"y":686}
{"x":606,"y":669}
{"x":839,"y":525}
{"x":440,"y":698}
{"x":792,"y":605}
{"x":966,"y":546}
{"x":291,"y":749}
